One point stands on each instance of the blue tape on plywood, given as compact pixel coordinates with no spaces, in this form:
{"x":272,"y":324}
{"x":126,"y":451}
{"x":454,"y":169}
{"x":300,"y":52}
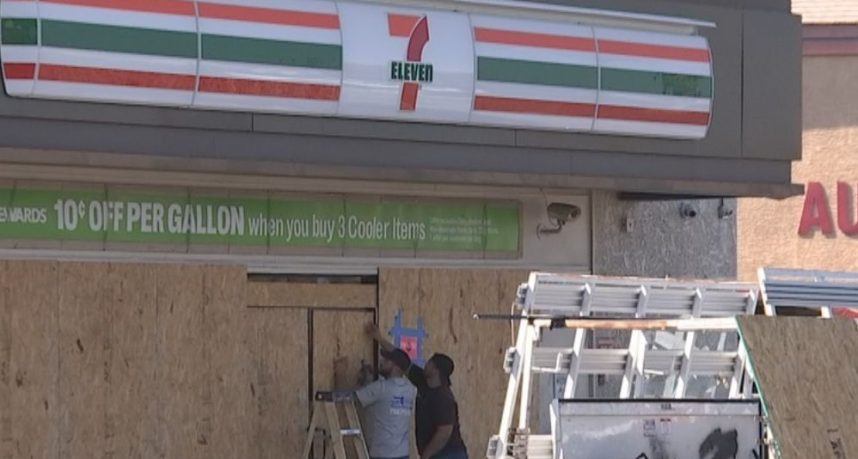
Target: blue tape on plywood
{"x":410,"y":340}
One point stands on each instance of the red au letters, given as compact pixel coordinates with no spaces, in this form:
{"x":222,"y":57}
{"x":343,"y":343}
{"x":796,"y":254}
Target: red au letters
{"x":817,"y":215}
{"x":846,"y":219}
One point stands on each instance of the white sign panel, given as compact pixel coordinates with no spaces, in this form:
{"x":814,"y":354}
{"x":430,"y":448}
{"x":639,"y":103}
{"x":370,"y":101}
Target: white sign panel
{"x":361,"y":60}
{"x":412,"y":64}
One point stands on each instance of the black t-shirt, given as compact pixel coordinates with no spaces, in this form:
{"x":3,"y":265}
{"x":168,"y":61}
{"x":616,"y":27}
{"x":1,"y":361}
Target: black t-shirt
{"x":433,"y":408}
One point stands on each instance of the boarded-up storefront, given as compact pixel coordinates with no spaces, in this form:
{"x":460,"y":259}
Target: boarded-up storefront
{"x":203,"y":203}
{"x":153,"y":360}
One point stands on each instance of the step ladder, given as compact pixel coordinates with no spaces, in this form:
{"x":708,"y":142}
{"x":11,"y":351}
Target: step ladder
{"x":326,"y":418}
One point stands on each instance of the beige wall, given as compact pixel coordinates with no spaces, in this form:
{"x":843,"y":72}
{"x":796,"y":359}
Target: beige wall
{"x":768,"y":229}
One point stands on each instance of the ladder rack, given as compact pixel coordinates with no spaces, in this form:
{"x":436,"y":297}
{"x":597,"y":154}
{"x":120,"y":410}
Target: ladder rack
{"x":560,"y":297}
{"x":570,"y":295}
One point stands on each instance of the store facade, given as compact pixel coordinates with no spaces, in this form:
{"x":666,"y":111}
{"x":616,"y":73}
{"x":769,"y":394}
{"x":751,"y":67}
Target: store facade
{"x":815,"y":230}
{"x":202,"y":202}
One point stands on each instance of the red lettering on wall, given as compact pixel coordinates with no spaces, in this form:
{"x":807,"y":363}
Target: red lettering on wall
{"x":846,"y":219}
{"x":816,"y":213}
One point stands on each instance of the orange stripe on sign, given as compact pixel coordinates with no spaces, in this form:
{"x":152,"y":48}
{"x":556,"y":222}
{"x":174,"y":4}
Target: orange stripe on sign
{"x":269,"y":88}
{"x":269,"y":15}
{"x":652,"y":115}
{"x":537,"y":40}
{"x":19,"y":71}
{"x":533,"y":106}
{"x":656,"y":51}
{"x":116,"y":77}
{"x":145,"y":6}
{"x":401,"y":25}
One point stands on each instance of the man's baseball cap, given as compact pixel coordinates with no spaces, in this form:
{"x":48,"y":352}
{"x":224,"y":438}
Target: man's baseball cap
{"x":445,"y":366}
{"x":398,"y":357}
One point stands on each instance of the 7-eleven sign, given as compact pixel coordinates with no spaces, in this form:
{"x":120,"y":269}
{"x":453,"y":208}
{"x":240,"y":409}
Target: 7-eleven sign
{"x":412,"y":71}
{"x":403,"y":63}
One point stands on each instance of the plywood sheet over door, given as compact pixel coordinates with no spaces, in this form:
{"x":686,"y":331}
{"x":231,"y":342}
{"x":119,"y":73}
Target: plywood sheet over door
{"x":280,"y":384}
{"x":309,"y":337}
{"x":446,"y":299}
{"x":339,"y":348}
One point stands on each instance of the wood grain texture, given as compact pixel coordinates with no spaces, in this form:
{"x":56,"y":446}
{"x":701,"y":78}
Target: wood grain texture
{"x":185,"y":427}
{"x":157,"y":360}
{"x":446,"y":300}
{"x":6,"y":415}
{"x":131,"y":365}
{"x":339,"y":347}
{"x":280,"y":383}
{"x":84,"y":344}
{"x":34,"y":358}
{"x":305,"y":295}
{"x":229,"y":356}
{"x":805,"y":369}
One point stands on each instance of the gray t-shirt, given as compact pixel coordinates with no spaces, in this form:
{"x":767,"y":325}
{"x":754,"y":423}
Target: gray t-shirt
{"x":388,"y":406}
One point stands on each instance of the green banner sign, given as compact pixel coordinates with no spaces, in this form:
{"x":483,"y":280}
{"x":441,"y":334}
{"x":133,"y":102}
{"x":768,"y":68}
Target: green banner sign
{"x":120,"y":215}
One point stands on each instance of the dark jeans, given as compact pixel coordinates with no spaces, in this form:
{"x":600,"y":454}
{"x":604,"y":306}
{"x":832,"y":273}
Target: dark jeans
{"x":403,"y":457}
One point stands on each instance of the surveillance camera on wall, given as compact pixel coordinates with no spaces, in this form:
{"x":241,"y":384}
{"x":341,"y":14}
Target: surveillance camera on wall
{"x":687,"y":210}
{"x":559,"y":214}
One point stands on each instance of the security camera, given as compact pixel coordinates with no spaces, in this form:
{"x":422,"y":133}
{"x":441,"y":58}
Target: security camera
{"x":687,"y":210}
{"x":560,"y":214}
{"x":564,"y":213}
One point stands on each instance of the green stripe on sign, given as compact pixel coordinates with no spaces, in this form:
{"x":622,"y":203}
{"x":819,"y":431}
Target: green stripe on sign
{"x":19,"y":31}
{"x":273,"y":52}
{"x":666,"y":84}
{"x":532,"y":72}
{"x":78,"y":35}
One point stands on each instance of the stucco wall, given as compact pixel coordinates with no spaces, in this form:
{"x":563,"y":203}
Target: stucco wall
{"x":661,"y":242}
{"x":768,"y":229}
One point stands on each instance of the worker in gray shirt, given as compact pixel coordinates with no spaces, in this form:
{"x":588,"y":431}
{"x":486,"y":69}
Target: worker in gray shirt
{"x":388,"y":406}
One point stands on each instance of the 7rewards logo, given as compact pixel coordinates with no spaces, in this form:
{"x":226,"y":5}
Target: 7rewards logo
{"x":412,"y":71}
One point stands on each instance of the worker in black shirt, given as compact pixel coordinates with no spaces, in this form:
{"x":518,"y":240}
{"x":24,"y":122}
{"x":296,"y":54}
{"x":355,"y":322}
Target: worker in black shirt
{"x":436,"y":411}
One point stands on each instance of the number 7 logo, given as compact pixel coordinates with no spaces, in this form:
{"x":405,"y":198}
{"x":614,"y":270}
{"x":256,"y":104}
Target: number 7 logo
{"x":413,"y":71}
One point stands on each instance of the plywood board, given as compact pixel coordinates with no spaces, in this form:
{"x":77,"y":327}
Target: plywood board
{"x":184,"y":422}
{"x":229,"y":355}
{"x":446,"y":299}
{"x":131,"y":365}
{"x":6,"y":417}
{"x":806,"y":373}
{"x":339,"y":347}
{"x":306,"y":295}
{"x":33,"y":359}
{"x":280,"y":383}
{"x":124,"y":360}
{"x":84,"y":345}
